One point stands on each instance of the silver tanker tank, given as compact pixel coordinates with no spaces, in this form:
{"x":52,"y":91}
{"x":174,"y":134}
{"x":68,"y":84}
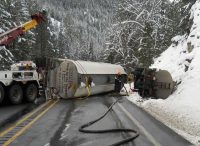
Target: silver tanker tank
{"x":70,"y":78}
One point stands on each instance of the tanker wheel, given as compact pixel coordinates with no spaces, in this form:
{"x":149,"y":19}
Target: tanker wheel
{"x":31,"y":92}
{"x":15,"y":94}
{"x":2,"y":93}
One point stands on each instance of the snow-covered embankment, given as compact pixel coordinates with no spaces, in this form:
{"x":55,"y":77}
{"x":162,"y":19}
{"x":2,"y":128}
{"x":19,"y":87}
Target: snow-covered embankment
{"x":181,"y":111}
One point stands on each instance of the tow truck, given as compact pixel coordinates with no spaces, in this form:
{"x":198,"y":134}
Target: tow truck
{"x":22,"y":81}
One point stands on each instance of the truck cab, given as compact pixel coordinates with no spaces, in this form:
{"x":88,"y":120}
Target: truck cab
{"x":19,"y":83}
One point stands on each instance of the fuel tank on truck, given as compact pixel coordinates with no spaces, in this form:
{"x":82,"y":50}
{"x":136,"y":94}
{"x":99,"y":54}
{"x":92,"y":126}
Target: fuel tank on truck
{"x":84,"y":78}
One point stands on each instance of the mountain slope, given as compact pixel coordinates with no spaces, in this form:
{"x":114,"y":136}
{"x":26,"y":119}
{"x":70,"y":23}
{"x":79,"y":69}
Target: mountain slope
{"x":85,"y":25}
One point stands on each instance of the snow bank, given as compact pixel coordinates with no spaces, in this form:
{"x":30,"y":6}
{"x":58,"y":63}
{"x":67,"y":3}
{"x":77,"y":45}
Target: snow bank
{"x":178,"y":120}
{"x":181,"y":111}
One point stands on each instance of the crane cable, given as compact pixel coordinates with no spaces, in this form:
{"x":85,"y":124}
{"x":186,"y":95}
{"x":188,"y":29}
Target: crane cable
{"x":83,"y":130}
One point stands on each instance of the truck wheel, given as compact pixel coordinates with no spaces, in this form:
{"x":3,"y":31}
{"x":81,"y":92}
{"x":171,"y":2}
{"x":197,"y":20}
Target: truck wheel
{"x":2,"y":93}
{"x":31,"y":92}
{"x":15,"y":94}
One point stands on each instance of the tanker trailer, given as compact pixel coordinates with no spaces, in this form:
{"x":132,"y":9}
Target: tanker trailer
{"x":69,"y":78}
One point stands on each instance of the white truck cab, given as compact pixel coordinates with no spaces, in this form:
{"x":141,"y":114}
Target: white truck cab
{"x":21,"y":82}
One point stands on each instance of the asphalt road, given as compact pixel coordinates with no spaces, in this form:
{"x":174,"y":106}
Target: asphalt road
{"x":10,"y":113}
{"x":59,"y":126}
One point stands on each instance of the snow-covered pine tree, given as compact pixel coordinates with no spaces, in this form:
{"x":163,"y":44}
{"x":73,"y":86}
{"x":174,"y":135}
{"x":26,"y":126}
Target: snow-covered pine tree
{"x":130,"y":30}
{"x":145,"y":28}
{"x":6,"y":57}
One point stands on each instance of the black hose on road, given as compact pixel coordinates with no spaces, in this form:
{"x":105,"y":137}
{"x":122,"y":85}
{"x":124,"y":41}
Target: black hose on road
{"x":82,"y":128}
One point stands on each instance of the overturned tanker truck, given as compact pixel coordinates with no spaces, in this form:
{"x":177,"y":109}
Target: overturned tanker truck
{"x":68,"y":78}
{"x":153,"y":83}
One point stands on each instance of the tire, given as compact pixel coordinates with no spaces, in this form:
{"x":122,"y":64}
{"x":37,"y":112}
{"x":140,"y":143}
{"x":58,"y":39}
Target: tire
{"x":31,"y":92}
{"x":15,"y":94}
{"x":2,"y":93}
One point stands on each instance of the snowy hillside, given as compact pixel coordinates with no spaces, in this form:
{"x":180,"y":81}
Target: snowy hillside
{"x":73,"y":29}
{"x":85,"y":24}
{"x":182,"y":59}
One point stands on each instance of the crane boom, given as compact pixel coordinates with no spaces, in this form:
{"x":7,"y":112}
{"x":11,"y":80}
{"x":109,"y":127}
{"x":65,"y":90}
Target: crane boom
{"x":8,"y":36}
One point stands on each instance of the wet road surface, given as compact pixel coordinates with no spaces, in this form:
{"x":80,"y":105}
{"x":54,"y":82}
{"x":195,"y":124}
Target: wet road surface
{"x":59,"y":126}
{"x":10,"y":113}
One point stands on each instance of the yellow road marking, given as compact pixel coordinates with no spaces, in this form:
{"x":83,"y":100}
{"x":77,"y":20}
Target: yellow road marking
{"x":22,"y":120}
{"x":137,"y":123}
{"x":28,"y":126}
